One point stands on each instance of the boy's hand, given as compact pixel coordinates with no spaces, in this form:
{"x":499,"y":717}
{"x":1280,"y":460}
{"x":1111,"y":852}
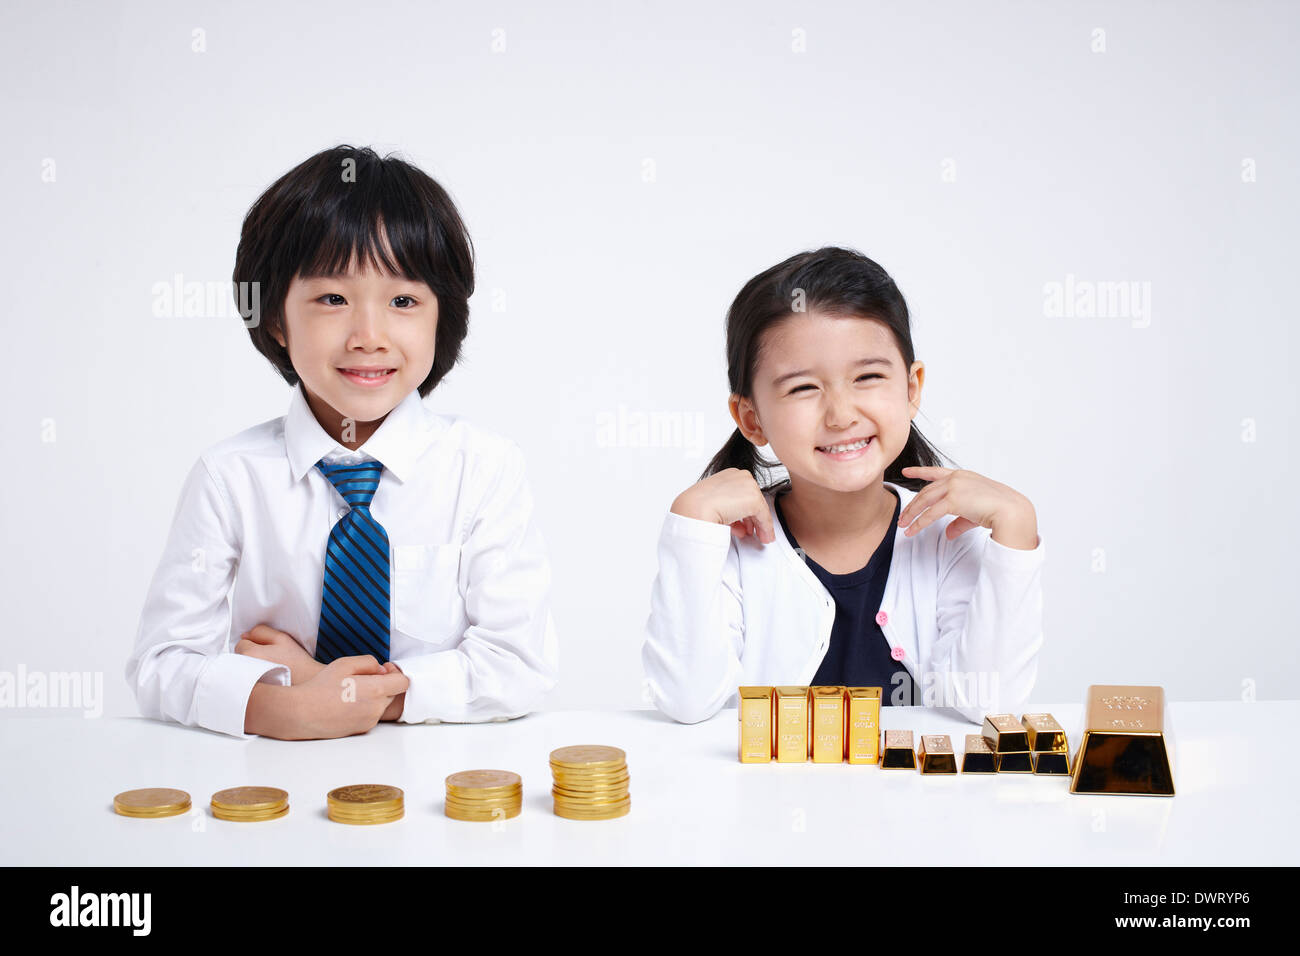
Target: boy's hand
{"x":347,"y":696}
{"x":266,"y":643}
{"x":394,"y":711}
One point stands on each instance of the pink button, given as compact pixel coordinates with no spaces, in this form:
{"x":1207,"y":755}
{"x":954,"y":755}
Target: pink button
{"x":896,"y":653}
{"x":882,"y":618}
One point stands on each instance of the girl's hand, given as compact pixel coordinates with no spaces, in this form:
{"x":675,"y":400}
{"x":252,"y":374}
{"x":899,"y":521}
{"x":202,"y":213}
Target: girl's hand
{"x":733,"y":497}
{"x":266,"y":643}
{"x":977,"y":501}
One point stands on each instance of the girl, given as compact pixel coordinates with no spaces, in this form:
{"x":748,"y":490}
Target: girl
{"x":870,"y":564}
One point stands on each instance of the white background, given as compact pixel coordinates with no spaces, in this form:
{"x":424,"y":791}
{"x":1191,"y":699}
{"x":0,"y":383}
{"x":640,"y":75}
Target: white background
{"x":977,"y":151}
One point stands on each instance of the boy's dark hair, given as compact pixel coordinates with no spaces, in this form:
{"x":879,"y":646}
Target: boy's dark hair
{"x":835,"y":281}
{"x":326,"y":212}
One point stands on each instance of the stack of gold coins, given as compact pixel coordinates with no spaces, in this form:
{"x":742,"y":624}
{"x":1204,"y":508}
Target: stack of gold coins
{"x":484,"y":795}
{"x":365,"y":803}
{"x":152,"y":802}
{"x":590,"y":782}
{"x":249,"y":804}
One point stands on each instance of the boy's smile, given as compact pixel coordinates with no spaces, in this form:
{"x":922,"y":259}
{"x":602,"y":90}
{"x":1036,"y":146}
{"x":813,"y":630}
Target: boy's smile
{"x":360,"y":343}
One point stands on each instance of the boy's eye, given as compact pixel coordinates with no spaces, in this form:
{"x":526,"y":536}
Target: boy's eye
{"x":870,"y":375}
{"x":330,"y":295}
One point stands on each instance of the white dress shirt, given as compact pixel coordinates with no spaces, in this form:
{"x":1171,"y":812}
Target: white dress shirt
{"x":471,"y":624}
{"x":965,"y":617}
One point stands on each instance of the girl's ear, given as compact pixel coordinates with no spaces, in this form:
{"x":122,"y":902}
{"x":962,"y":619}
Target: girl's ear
{"x":745,"y":415}
{"x":915,"y":382}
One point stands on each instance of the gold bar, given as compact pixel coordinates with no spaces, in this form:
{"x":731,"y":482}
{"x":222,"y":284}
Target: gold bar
{"x":827,"y":708}
{"x":791,"y":724}
{"x":1127,"y":745}
{"x":936,"y":754}
{"x":1017,"y":761}
{"x":979,"y":757}
{"x":1005,"y":734}
{"x":898,"y":753}
{"x":1055,"y":764}
{"x":755,"y":724}
{"x":1045,"y":734}
{"x":863,"y":719}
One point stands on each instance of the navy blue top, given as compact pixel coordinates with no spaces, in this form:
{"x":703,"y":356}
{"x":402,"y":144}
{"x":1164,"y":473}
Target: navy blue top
{"x":859,"y":655}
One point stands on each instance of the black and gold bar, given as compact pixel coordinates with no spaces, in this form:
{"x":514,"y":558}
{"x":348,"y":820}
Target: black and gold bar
{"x":1049,"y":745}
{"x":1005,"y":734}
{"x":936,"y":754}
{"x":898,"y":753}
{"x":1015,"y":761}
{"x":1127,"y":744}
{"x":979,"y":756}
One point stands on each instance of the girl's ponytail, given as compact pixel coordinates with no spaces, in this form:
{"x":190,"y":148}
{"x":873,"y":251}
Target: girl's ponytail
{"x":738,"y":452}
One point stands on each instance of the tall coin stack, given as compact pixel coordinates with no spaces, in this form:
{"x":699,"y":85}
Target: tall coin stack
{"x":590,"y":782}
{"x":248,"y":804}
{"x":484,"y":795}
{"x":365,"y":803}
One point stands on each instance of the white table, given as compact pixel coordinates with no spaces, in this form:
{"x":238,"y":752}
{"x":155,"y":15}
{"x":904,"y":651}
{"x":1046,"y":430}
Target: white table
{"x":692,"y":800}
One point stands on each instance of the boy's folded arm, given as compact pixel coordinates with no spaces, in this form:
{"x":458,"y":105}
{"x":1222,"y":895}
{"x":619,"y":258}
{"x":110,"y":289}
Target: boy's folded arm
{"x":695,"y":632}
{"x":508,"y":657}
{"x":990,"y":619}
{"x":180,"y":669}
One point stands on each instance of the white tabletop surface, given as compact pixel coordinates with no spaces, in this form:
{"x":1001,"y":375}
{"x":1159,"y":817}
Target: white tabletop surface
{"x":692,"y":800}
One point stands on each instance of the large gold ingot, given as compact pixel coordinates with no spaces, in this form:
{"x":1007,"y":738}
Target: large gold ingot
{"x":1127,"y":744}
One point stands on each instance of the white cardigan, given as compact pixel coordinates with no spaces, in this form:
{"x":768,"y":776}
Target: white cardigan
{"x":966,"y":616}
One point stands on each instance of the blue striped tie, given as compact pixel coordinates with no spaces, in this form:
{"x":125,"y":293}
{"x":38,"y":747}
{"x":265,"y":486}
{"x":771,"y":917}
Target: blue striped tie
{"x":354,"y":605}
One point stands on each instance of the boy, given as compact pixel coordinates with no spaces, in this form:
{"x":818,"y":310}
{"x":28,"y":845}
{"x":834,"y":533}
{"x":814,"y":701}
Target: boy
{"x":381,"y":561}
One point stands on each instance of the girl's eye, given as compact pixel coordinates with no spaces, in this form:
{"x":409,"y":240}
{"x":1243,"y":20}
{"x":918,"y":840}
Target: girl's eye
{"x":798,"y":388}
{"x":407,"y":298}
{"x":330,"y":295}
{"x":870,"y":375}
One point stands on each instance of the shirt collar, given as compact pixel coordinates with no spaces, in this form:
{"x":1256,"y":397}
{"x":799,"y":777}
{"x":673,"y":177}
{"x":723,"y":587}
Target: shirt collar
{"x":398,"y":441}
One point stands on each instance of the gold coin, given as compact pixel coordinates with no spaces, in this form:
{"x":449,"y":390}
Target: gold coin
{"x":585,"y":796}
{"x":478,"y":804}
{"x":483,"y":780}
{"x":501,"y":813}
{"x":152,"y":802}
{"x":223,"y":814}
{"x":365,"y":819}
{"x":582,"y":781}
{"x":570,"y":814}
{"x":366,"y":794}
{"x":250,"y":798}
{"x":588,"y":755}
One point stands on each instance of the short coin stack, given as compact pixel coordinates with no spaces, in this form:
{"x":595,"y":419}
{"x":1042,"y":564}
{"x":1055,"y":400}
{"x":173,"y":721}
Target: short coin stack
{"x":484,"y":795}
{"x":249,"y":804}
{"x":590,"y":782}
{"x":365,"y":803}
{"x":152,"y":802}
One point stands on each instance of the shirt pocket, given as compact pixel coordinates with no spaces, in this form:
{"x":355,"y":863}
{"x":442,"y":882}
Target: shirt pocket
{"x":427,"y":602}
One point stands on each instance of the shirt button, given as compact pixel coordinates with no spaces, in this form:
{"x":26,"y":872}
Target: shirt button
{"x":882,"y":618}
{"x":896,"y":653}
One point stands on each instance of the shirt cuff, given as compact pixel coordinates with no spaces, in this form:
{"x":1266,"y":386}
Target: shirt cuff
{"x":1014,"y":559}
{"x":221,"y":697}
{"x":438,"y":689}
{"x":696,"y":529}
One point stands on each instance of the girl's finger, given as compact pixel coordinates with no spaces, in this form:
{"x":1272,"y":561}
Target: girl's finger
{"x":923,"y":499}
{"x":936,"y":511}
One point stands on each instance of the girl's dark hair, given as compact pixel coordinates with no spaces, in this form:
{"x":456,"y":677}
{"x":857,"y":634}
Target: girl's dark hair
{"x":830,"y":280}
{"x":325,"y":213}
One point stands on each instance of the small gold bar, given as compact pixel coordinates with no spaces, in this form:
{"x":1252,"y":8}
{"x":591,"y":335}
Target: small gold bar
{"x":755,"y":724}
{"x":1017,"y":761}
{"x":1045,"y":734}
{"x":979,"y":757}
{"x":863,"y":720}
{"x":827,"y":708}
{"x":1127,"y":744}
{"x":1054,"y":764}
{"x":936,"y":754}
{"x":1005,"y":734}
{"x":791,"y":724}
{"x":898,"y":753}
